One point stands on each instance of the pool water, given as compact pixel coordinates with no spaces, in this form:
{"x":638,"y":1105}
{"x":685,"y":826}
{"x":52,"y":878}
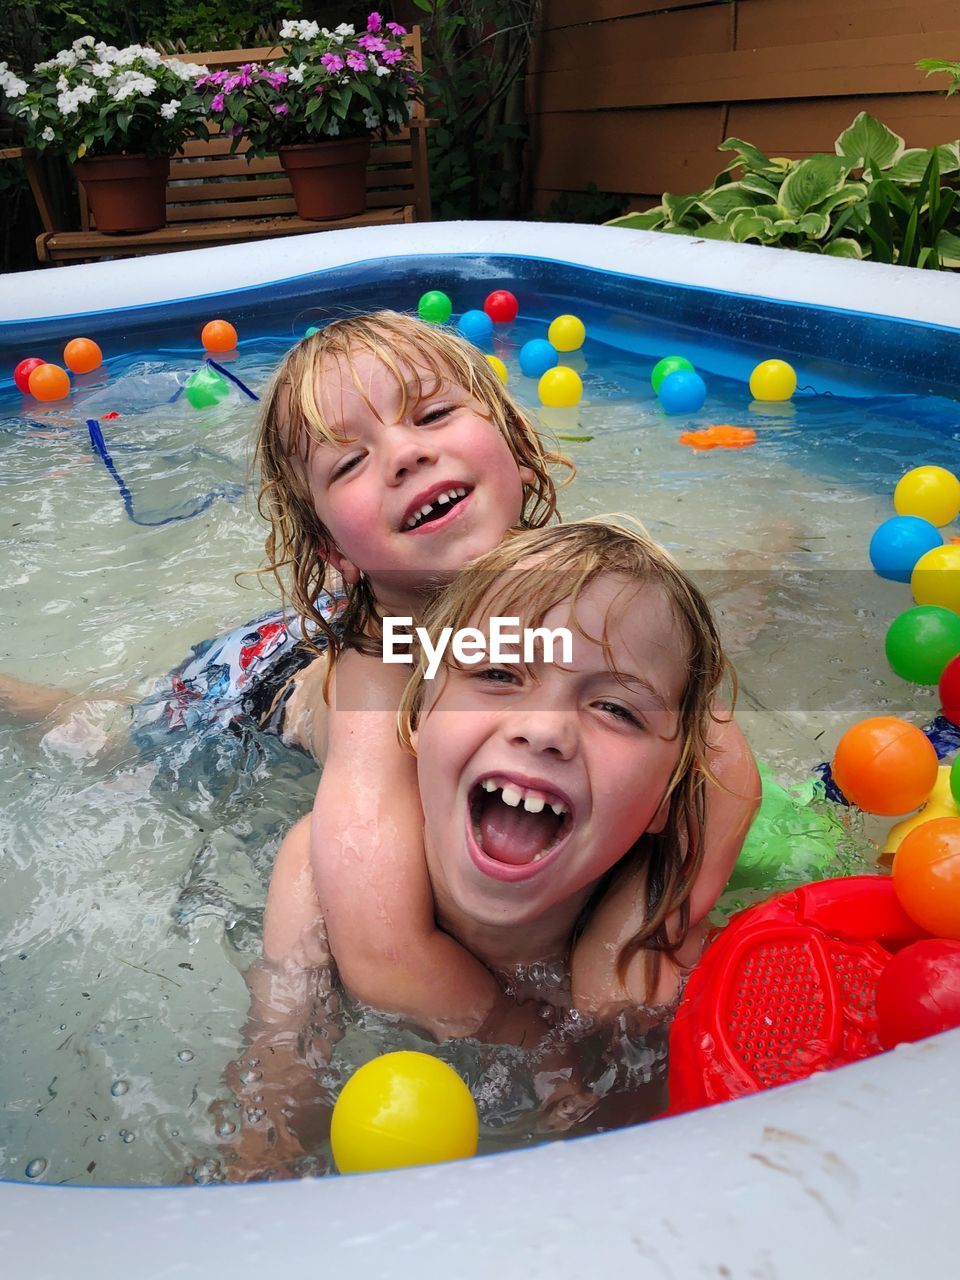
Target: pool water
{"x":135,"y":884}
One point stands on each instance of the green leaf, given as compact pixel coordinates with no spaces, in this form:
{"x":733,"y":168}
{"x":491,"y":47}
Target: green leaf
{"x":678,"y":207}
{"x":751,"y":157}
{"x":912,"y":165}
{"x":725,"y":200}
{"x":747,"y":226}
{"x":948,"y":247}
{"x":848,"y":194}
{"x":648,"y":221}
{"x":810,"y":182}
{"x":758,"y":185}
{"x":843,"y":247}
{"x":867,"y":139}
{"x":815,"y":225}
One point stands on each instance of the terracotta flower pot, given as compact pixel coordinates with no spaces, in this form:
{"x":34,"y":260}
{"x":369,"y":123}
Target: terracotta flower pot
{"x":329,"y":179}
{"x":126,"y":193}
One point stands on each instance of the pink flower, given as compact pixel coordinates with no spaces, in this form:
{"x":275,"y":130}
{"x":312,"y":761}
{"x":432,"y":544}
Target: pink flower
{"x":216,"y":102}
{"x":396,"y":28}
{"x":374,"y":22}
{"x":356,"y":61}
{"x":236,"y":131}
{"x":333,"y":62}
{"x":318,"y":89}
{"x":281,"y":110}
{"x":275,"y":78}
{"x":230,"y":84}
{"x":372,"y":44}
{"x":391,"y":56}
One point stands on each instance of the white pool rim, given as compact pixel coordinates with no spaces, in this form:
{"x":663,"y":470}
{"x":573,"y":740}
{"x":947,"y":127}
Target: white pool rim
{"x":845,"y":1173}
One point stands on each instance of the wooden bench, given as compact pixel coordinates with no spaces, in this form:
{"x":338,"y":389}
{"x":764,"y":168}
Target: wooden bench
{"x":217,"y":198}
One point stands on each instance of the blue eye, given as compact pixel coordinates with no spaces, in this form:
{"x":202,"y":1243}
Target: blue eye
{"x":494,"y":675}
{"x":620,"y":712}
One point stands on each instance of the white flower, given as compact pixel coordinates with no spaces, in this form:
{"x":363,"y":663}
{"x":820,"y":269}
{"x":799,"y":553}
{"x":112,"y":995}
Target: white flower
{"x":187,"y":70}
{"x":102,"y":70}
{"x":84,"y":42}
{"x":302,"y":30}
{"x":345,"y":29}
{"x":370,"y":118}
{"x":66,"y":104}
{"x":383,"y":71}
{"x":10,"y":84}
{"x":411,"y":107}
{"x":332,"y":127}
{"x":66,"y":58}
{"x":295,"y":74}
{"x":129,"y":83}
{"x":62,"y":83}
{"x":169,"y":109}
{"x":48,"y":135}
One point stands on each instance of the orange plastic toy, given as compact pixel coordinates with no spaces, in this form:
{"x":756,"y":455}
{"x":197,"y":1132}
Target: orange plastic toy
{"x":219,"y":335}
{"x":926,"y":876}
{"x":82,"y":355}
{"x":49,"y":382}
{"x":885,"y":765}
{"x":721,"y":436}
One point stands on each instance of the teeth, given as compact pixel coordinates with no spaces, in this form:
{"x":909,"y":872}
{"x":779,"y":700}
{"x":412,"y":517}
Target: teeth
{"x":533,"y":804}
{"x":442,"y":499}
{"x":511,"y":796}
{"x":559,"y":809}
{"x":488,"y":784}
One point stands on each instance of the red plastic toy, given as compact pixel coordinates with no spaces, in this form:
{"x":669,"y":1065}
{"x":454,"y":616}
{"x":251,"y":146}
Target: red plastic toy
{"x":918,"y":994}
{"x":786,"y":989}
{"x":501,"y":306}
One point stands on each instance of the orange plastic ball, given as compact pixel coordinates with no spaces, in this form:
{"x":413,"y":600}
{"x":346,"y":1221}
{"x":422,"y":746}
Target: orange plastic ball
{"x":49,"y":382}
{"x":219,"y":335}
{"x":926,"y":876}
{"x":82,"y":355}
{"x":885,"y":765}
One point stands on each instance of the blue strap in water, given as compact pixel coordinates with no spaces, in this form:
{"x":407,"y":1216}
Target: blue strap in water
{"x":944,"y":736}
{"x":100,"y":448}
{"x":233,"y":378}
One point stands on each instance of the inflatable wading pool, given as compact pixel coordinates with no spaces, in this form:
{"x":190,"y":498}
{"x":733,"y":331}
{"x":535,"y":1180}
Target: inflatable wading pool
{"x":846,"y":1170}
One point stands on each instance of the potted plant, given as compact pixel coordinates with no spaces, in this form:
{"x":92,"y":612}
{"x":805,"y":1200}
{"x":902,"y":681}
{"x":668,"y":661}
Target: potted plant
{"x":317,"y":106}
{"x":118,"y":115}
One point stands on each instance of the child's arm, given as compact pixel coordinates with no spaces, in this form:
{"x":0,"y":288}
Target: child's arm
{"x":371,"y":876}
{"x":730,"y":807}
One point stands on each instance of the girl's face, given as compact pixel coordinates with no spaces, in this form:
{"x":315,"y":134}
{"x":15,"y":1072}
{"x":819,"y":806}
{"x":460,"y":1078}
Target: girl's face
{"x":536,"y":780}
{"x":411,"y":496}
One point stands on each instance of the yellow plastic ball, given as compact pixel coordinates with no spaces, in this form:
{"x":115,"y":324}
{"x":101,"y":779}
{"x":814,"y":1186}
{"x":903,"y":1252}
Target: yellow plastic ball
{"x":941,"y":804}
{"x":933,"y":493}
{"x":560,"y":388}
{"x":773,"y":380}
{"x":402,"y":1109}
{"x":567,"y":333}
{"x":499,"y":368}
{"x":936,"y":577}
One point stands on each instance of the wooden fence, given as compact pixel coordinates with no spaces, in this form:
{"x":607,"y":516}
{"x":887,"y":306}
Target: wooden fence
{"x":635,"y":95}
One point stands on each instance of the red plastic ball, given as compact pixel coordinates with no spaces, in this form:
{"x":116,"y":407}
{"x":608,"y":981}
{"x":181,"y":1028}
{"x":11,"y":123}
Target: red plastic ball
{"x":885,"y":765}
{"x":219,"y":335}
{"x":501,"y":306}
{"x":926,"y":876}
{"x":21,"y":374}
{"x":82,"y":355}
{"x":950,"y":690}
{"x":49,"y":382}
{"x":918,"y":993}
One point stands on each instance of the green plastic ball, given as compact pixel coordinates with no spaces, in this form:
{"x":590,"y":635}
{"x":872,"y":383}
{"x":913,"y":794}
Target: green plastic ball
{"x":669,"y":364}
{"x":206,"y":387}
{"x":434,"y":307}
{"x":922,"y":641}
{"x":955,"y":781}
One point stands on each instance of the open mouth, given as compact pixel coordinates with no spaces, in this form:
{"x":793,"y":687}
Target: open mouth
{"x":517,"y":826}
{"x":440,"y":505}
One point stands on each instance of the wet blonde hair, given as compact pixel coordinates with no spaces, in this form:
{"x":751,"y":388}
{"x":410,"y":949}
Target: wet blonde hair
{"x":291,"y":421}
{"x":565,"y":560}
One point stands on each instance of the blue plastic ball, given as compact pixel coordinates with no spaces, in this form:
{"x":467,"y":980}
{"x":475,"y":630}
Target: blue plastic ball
{"x":898,"y":544}
{"x":537,"y":356}
{"x":682,"y":392}
{"x":476,"y":327}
